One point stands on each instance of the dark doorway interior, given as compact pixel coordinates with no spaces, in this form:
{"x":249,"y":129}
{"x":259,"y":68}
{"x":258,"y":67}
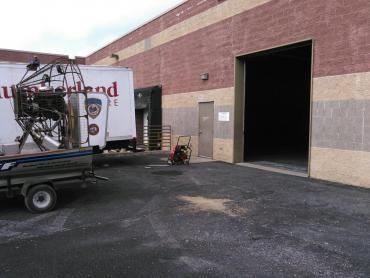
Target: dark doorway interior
{"x":139,"y":116}
{"x":277,"y":107}
{"x":148,"y":112}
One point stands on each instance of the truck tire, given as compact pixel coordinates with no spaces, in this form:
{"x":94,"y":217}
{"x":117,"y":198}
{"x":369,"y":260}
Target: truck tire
{"x":40,"y":198}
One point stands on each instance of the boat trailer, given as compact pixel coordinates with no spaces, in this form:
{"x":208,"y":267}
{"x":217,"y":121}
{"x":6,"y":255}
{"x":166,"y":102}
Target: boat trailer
{"x":54,"y":149}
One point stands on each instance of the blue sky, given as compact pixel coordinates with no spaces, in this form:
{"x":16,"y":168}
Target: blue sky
{"x":73,"y":27}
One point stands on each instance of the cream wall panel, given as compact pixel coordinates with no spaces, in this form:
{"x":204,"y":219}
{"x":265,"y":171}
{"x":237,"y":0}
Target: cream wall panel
{"x":354,"y":86}
{"x":194,"y":143}
{"x":224,"y":96}
{"x":223,"y":149}
{"x":223,"y":100}
{"x":343,"y":166}
{"x":124,"y":53}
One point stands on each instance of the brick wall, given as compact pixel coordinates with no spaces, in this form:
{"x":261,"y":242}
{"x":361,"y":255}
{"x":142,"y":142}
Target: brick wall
{"x":178,"y":64}
{"x":15,"y":56}
{"x":180,"y":13}
{"x":174,"y":49}
{"x":340,"y":30}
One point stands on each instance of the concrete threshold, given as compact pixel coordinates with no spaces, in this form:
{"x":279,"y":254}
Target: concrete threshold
{"x":273,"y":169}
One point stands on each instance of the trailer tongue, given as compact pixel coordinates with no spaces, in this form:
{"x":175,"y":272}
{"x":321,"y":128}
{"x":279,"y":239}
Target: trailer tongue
{"x":58,"y":124}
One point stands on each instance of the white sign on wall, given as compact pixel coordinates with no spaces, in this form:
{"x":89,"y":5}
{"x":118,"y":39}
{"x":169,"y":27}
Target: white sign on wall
{"x":224,"y":116}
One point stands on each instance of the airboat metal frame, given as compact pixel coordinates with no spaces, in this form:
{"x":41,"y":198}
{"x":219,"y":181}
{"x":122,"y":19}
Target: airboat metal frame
{"x":38,"y":174}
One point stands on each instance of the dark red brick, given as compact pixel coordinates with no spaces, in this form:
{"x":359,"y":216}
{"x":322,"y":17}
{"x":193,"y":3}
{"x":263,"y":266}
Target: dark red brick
{"x":174,"y":16}
{"x":7,"y":55}
{"x":340,"y":31}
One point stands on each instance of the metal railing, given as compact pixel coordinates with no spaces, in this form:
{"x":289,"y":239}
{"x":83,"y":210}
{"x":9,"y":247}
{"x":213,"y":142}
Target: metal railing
{"x":155,"y":137}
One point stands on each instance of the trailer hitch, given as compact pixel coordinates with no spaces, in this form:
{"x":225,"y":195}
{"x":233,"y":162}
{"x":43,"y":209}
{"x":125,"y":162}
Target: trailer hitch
{"x":101,"y":178}
{"x":95,"y":177}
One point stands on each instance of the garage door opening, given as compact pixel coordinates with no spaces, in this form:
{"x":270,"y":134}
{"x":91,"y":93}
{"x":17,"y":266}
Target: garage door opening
{"x":277,"y":107}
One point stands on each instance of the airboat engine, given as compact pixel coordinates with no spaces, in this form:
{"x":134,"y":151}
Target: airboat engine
{"x":46,"y":113}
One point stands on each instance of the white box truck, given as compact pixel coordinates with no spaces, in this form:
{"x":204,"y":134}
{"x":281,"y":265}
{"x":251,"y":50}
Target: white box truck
{"x":115,"y":82}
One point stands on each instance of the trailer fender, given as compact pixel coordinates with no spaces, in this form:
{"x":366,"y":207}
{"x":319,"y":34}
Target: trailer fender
{"x":27,"y":186}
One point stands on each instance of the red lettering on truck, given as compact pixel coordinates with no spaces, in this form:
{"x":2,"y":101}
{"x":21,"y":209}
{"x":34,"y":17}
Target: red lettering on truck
{"x":112,"y":91}
{"x":7,"y":92}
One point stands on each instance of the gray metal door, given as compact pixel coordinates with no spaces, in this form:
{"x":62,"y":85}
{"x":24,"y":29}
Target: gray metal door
{"x":206,"y":119}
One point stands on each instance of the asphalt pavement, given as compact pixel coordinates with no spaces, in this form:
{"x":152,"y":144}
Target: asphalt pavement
{"x":208,"y":219}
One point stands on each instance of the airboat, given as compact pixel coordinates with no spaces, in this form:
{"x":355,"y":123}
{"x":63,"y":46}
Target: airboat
{"x":53,"y":147}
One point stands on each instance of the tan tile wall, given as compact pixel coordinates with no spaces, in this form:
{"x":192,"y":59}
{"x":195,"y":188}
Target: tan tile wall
{"x":344,"y":166}
{"x":340,"y":129}
{"x":222,"y":148}
{"x":354,"y":86}
{"x":194,"y":143}
{"x":224,"y":96}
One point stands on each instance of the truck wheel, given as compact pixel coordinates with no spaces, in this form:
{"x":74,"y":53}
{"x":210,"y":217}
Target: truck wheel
{"x":41,"y":198}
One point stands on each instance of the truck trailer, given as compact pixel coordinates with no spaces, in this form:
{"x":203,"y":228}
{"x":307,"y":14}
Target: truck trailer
{"x":115,"y":82}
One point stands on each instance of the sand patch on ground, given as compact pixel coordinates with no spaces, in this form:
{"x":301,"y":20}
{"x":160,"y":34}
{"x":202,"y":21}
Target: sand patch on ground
{"x":224,"y":206}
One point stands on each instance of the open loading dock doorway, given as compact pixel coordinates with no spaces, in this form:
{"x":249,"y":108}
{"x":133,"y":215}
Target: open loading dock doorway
{"x":277,"y":107}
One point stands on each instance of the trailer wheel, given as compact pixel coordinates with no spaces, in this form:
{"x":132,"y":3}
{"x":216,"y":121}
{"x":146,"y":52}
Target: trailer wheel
{"x":41,"y":198}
